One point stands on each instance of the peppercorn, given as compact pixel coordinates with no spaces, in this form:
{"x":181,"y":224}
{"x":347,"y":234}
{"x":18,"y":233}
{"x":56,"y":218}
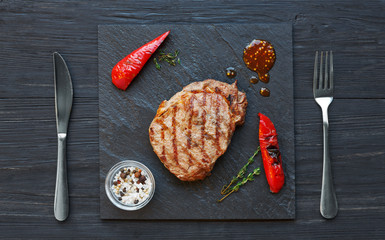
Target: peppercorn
{"x":123,"y":175}
{"x":142,"y":179}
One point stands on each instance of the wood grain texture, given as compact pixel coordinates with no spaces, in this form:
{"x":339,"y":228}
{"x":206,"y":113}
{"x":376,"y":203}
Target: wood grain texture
{"x":31,"y":31}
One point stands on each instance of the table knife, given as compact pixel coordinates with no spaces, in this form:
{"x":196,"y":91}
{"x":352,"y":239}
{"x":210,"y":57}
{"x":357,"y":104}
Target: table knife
{"x":63,"y":105}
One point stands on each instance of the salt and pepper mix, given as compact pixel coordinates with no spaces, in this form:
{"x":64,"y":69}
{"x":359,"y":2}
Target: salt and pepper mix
{"x":131,"y":186}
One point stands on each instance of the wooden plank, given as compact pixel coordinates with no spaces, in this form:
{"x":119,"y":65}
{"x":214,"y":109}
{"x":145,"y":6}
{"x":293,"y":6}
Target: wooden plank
{"x":26,"y":54}
{"x":93,"y":228}
{"x":30,"y":31}
{"x":28,"y":211}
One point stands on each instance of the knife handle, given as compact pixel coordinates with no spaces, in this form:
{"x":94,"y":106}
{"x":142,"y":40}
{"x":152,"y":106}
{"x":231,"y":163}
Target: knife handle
{"x":61,"y":204}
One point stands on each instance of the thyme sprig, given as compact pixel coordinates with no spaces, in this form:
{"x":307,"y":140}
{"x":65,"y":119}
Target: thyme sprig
{"x":226,"y":188}
{"x":249,"y":177}
{"x":170,"y":58}
{"x":240,"y":178}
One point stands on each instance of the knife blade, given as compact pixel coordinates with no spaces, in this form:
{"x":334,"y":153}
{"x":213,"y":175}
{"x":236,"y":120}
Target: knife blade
{"x":63,"y":106}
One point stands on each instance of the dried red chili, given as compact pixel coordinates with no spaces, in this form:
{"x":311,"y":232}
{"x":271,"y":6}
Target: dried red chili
{"x":126,"y":69}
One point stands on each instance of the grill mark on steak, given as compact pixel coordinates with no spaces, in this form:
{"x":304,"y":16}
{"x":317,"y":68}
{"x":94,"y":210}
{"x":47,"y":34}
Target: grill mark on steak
{"x":217,"y":126}
{"x":192,"y":158}
{"x":151,"y":134}
{"x":173,"y":124}
{"x":189,"y":126}
{"x":164,"y":128}
{"x":163,"y":157}
{"x":203,"y":129}
{"x":163,"y":146}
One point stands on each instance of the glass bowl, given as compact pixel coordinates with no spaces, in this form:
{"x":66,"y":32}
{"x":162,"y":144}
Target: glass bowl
{"x":110,"y":181}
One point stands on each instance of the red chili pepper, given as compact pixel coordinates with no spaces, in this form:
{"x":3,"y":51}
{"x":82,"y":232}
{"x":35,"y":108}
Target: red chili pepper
{"x":271,"y":156}
{"x":126,"y":69}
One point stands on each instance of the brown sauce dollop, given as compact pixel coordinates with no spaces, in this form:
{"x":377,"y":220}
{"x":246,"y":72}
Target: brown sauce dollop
{"x":254,"y":80}
{"x":265,"y":92}
{"x":259,"y":56}
{"x":230,"y":72}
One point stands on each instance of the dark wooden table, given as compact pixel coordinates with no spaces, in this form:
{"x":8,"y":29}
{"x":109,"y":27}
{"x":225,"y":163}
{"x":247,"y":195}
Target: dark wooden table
{"x":31,"y":30}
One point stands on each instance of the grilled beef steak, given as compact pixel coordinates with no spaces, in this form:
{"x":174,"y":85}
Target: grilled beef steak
{"x":194,"y":128}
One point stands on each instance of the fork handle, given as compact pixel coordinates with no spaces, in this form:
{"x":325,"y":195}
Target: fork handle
{"x":328,"y":205}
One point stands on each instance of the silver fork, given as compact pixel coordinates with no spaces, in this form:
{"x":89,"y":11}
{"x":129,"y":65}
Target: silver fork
{"x":323,"y":95}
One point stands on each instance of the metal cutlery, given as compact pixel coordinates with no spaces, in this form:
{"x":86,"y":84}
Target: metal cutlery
{"x":323,"y":95}
{"x":63,"y":105}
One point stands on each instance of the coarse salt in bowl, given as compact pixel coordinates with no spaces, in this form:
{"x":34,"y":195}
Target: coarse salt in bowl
{"x":130,"y":185}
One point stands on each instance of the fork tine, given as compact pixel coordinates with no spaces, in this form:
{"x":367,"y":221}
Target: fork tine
{"x":315,"y":77}
{"x":326,"y":71}
{"x":321,"y":79}
{"x":331,"y":71}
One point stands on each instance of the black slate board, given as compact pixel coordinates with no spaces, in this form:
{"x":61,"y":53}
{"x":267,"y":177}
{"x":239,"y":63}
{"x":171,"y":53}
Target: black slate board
{"x":205,"y":51}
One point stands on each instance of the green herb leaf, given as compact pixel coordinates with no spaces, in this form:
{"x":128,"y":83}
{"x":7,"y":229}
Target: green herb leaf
{"x":249,"y":177}
{"x":240,"y":179}
{"x":170,"y":58}
{"x":156,"y":64}
{"x":226,"y":189}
